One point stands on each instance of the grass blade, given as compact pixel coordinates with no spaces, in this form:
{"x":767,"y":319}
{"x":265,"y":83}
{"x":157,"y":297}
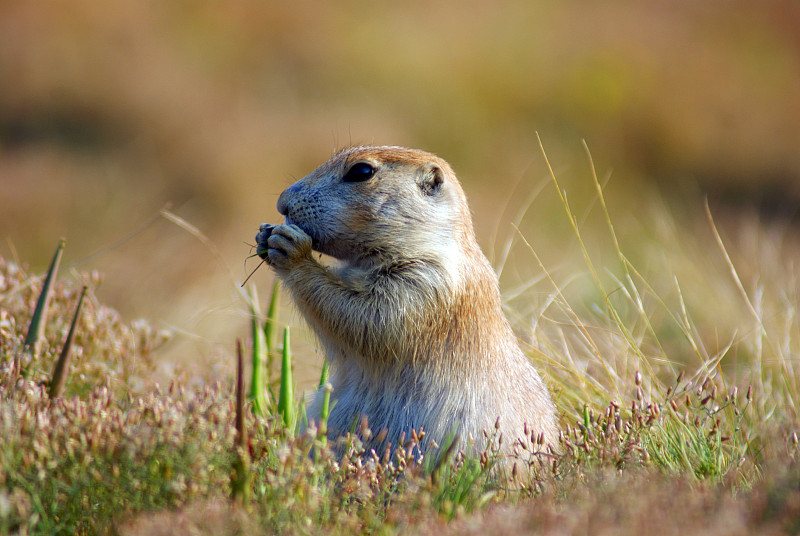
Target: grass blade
{"x":325,"y":413}
{"x":33,"y":340}
{"x":322,"y":432}
{"x":241,"y":430}
{"x":59,"y":378}
{"x":240,"y":480}
{"x":272,"y":317}
{"x":323,"y":377}
{"x":270,"y":329}
{"x":257,"y":382}
{"x":286,"y":397}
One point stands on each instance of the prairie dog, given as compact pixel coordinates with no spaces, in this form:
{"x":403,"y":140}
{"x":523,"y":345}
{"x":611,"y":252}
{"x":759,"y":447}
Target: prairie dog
{"x":410,"y":318}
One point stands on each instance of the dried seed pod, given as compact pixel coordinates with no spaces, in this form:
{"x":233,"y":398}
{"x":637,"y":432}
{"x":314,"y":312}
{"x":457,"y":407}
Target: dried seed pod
{"x":680,"y":378}
{"x":363,"y":426}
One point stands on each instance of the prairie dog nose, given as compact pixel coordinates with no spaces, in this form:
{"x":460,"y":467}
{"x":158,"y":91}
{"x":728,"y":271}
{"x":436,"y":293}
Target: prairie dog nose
{"x":283,"y":200}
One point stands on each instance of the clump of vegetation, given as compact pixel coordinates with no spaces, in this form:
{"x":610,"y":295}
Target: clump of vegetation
{"x":105,"y":350}
{"x":647,"y":434}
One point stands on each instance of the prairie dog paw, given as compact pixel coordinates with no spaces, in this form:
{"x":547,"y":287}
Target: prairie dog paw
{"x":264,"y":231}
{"x":287,"y":246}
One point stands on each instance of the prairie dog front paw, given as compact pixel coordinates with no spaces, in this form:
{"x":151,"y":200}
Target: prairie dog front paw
{"x":287,"y":246}
{"x":264,"y":232}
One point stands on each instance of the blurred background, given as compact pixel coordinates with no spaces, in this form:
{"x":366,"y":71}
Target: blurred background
{"x":110,"y":111}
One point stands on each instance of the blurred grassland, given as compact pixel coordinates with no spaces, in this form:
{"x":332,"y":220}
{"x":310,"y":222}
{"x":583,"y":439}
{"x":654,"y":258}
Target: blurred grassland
{"x":108,"y":111}
{"x":668,"y":338}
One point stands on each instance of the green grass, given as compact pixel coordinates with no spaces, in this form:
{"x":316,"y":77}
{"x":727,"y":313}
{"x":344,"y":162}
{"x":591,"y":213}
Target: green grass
{"x":676,"y":409}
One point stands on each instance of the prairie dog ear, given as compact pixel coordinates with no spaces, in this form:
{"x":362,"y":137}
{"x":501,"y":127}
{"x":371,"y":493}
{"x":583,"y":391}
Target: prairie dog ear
{"x":431,"y":180}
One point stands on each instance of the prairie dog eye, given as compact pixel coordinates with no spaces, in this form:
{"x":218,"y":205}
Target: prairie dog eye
{"x":359,"y":172}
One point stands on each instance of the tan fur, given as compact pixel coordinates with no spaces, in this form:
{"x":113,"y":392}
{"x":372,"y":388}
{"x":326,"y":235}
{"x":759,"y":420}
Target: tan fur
{"x":410,"y":318}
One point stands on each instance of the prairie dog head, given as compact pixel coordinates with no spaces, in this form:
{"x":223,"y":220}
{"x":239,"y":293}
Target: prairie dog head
{"x":381,"y":204}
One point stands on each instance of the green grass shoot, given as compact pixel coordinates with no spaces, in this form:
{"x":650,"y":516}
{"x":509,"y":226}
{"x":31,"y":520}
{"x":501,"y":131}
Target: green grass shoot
{"x":323,"y":375}
{"x":325,"y":413}
{"x":258,"y":392}
{"x":33,"y":340}
{"x":286,"y":403}
{"x":241,"y":477}
{"x":270,"y":329}
{"x":270,"y":333}
{"x":61,"y":370}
